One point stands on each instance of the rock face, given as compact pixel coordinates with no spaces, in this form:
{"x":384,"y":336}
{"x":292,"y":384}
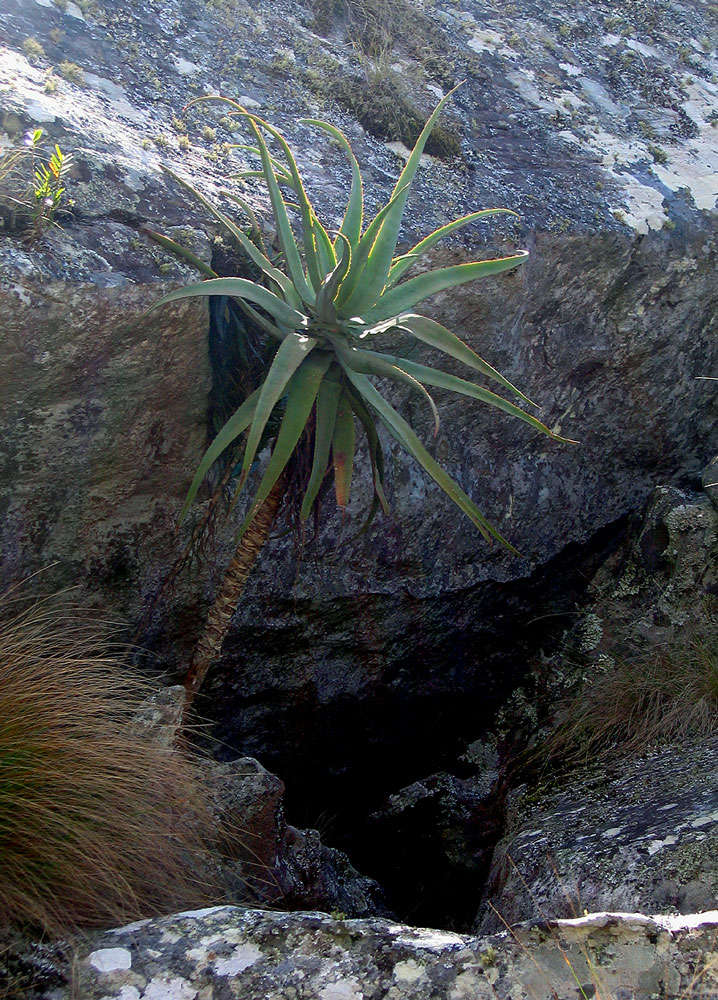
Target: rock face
{"x":641,"y":835}
{"x":100,"y":430}
{"x":436,"y":839}
{"x":662,"y":583}
{"x":606,"y":328}
{"x":266,"y":860}
{"x":634,"y":830}
{"x":228,"y":953}
{"x":595,"y":124}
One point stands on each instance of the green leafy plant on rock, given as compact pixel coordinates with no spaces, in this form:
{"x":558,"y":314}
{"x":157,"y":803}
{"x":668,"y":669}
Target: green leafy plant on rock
{"x":326,"y":313}
{"x":32,"y":184}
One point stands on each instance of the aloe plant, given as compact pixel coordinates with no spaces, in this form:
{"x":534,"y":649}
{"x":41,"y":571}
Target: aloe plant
{"x":338,"y":295}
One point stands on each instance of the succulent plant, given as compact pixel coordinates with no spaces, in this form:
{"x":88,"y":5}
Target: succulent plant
{"x":337,"y":296}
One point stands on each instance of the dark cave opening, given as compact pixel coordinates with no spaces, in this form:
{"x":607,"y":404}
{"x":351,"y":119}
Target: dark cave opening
{"x":341,"y":758}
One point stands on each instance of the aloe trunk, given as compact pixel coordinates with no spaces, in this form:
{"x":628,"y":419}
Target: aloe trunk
{"x":209,"y":646}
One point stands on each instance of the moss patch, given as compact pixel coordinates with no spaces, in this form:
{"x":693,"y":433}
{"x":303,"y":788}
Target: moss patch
{"x":382,"y":108}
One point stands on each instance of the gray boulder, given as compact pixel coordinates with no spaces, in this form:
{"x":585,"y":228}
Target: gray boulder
{"x":434,"y":842}
{"x":225,"y":953}
{"x":257,"y":856}
{"x":639,"y":835}
{"x":264,"y":859}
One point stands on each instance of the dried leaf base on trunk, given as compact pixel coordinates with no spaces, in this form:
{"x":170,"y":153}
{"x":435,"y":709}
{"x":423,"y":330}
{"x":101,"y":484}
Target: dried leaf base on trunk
{"x":209,"y":646}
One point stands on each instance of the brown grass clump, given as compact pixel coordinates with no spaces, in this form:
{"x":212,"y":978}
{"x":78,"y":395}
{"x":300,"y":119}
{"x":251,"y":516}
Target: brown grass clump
{"x":659,"y":697}
{"x":99,"y":824}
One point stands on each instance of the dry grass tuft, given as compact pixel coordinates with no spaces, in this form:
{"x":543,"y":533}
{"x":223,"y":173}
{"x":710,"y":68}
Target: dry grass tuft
{"x":98,"y":823}
{"x":662,"y":696}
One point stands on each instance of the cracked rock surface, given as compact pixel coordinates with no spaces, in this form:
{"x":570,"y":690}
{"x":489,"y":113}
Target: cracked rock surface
{"x":227,"y":954}
{"x":641,"y":834}
{"x":606,"y":326}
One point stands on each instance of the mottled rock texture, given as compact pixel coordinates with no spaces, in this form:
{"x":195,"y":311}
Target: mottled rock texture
{"x":641,"y":834}
{"x":228,"y":953}
{"x":103,"y":419}
{"x":632,"y":830}
{"x":266,"y":860}
{"x":434,"y":841}
{"x":258,"y":856}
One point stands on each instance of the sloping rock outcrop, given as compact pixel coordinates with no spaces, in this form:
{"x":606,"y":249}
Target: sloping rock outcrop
{"x":265,"y":859}
{"x":258,"y":856}
{"x":641,"y":834}
{"x":226,"y":953}
{"x":630,"y":823}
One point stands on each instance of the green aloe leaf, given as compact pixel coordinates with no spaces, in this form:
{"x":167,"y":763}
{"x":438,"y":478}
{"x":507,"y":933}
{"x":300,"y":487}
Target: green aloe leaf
{"x":262,"y":322}
{"x":280,"y":176}
{"x":361,"y":255}
{"x":402,"y":264}
{"x":435,"y":335}
{"x":327,"y":402}
{"x":378,"y":265}
{"x":376,"y":453}
{"x":238,"y":422}
{"x":278,"y":167}
{"x":284,"y":228}
{"x":303,"y":387}
{"x":343,"y":450}
{"x":371,"y":363}
{"x":290,"y":354}
{"x":252,"y":216}
{"x":405,"y":296}
{"x":179,"y":251}
{"x":354,"y":213}
{"x":443,"y":380}
{"x":240,"y":288}
{"x":404,"y":434}
{"x":311,"y":226}
{"x":325,"y":248}
{"x":254,"y":254}
{"x":326,"y":294}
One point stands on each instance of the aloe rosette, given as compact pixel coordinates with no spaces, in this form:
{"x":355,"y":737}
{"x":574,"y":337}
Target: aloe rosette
{"x":337,"y":295}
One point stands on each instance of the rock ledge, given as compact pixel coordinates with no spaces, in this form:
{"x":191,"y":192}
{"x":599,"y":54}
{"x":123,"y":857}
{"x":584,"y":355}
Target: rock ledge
{"x":226,"y":952}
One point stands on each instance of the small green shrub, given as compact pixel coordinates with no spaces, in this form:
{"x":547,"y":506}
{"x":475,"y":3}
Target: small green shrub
{"x":380,"y":104}
{"x":33,"y":50}
{"x":51,"y":83}
{"x":98,"y":822}
{"x":659,"y":155}
{"x":646,"y":129}
{"x":71,"y":72}
{"x":32,"y":185}
{"x":379,"y":99}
